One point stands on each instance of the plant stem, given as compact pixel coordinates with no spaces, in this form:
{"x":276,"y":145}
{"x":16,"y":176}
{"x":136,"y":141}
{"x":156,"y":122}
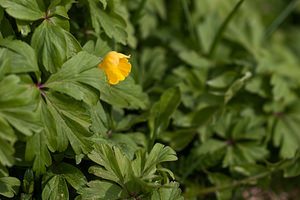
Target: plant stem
{"x":281,"y":17}
{"x":189,"y":19}
{"x":152,"y":140}
{"x":222,"y":187}
{"x":222,"y":29}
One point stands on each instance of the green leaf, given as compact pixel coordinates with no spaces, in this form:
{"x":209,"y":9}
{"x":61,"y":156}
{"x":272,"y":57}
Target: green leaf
{"x":139,"y":175}
{"x":125,"y":94}
{"x":293,"y":169}
{"x":250,"y":170}
{"x":18,"y":104}
{"x":99,"y":48}
{"x":195,"y":60}
{"x":281,"y":88}
{"x":221,"y":179}
{"x":55,"y":188}
{"x":286,"y":134}
{"x":36,"y":149}
{"x":4,"y":63}
{"x":9,"y":186}
{"x":223,"y":27}
{"x":235,"y":87}
{"x":113,"y":24}
{"x":210,"y":146}
{"x":23,"y":27}
{"x":201,"y":117}
{"x":6,"y":153}
{"x":30,"y":10}
{"x":103,"y":173}
{"x":178,"y":139}
{"x":223,"y":80}
{"x":107,"y":157}
{"x":53,"y":4}
{"x":159,"y":154}
{"x":104,"y":3}
{"x":164,"y":108}
{"x":126,"y":142}
{"x":72,"y":175}
{"x":102,"y":190}
{"x":152,"y":66}
{"x":6,"y":29}
{"x":244,"y":152}
{"x":28,"y":181}
{"x":71,"y":121}
{"x":60,"y":11}
{"x":58,"y":45}
{"x":21,"y":56}
{"x":76,"y":78}
{"x":170,"y":191}
{"x":99,"y":120}
{"x":17,"y":110}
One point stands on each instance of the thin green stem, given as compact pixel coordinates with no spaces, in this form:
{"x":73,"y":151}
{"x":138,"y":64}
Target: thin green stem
{"x":281,"y":17}
{"x":222,"y":29}
{"x":188,"y":19}
{"x":222,"y":187}
{"x":152,"y":139}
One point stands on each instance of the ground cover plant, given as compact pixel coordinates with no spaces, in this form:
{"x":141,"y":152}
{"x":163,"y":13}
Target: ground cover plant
{"x":149,"y":99}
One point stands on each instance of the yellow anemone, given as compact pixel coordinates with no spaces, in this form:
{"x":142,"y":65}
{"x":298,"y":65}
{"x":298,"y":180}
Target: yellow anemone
{"x":116,"y":67}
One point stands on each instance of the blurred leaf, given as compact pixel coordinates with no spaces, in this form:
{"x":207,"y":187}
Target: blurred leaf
{"x":152,"y":66}
{"x":164,"y":108}
{"x":23,"y":27}
{"x":223,"y":80}
{"x":293,"y":169}
{"x":221,"y":179}
{"x":286,"y":135}
{"x":281,"y":88}
{"x":112,"y":23}
{"x":9,"y":186}
{"x":247,"y":152}
{"x":235,"y":87}
{"x":178,"y":139}
{"x":5,"y":26}
{"x":252,"y":170}
{"x":195,"y":60}
{"x":28,"y":181}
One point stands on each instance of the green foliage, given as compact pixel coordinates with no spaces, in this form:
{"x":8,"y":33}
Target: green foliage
{"x":211,"y":104}
{"x":130,"y":178}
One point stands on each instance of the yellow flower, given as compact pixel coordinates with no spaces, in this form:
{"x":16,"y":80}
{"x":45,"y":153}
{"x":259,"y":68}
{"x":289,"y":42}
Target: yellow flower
{"x":116,"y":66}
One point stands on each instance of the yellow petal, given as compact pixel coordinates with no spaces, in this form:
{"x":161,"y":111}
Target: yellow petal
{"x":111,"y":60}
{"x":114,"y":76}
{"x":124,"y":67}
{"x":116,"y":66}
{"x":123,"y":56}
